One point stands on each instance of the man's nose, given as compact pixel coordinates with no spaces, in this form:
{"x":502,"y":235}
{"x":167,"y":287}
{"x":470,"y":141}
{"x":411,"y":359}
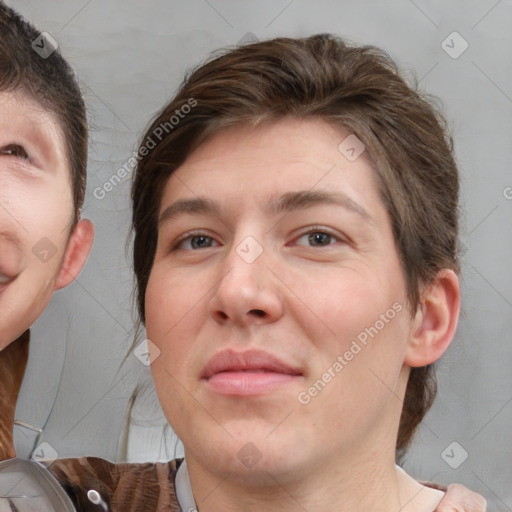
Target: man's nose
{"x":248,"y":291}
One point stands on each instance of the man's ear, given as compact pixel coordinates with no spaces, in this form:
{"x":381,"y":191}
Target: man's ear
{"x":436,"y":320}
{"x":78,"y":248}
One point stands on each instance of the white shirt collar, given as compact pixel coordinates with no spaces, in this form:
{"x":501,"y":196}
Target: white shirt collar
{"x":183,"y":490}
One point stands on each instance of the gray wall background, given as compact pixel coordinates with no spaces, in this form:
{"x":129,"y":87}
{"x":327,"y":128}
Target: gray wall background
{"x":130,"y":56}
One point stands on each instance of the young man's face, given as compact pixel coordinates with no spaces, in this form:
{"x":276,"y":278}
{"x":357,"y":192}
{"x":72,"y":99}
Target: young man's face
{"x":278,"y":304}
{"x":36,"y":212}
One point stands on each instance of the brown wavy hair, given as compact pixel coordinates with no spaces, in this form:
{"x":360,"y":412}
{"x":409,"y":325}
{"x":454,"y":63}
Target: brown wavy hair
{"x":358,"y":89}
{"x":52,"y":84}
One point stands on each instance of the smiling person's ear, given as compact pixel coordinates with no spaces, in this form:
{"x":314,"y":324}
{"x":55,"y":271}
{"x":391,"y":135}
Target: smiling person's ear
{"x":436,"y":320}
{"x":78,"y":249}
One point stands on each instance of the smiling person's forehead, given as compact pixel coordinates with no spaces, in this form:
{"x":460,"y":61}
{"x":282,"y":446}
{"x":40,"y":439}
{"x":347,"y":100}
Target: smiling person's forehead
{"x":17,"y":106}
{"x":23,"y":119}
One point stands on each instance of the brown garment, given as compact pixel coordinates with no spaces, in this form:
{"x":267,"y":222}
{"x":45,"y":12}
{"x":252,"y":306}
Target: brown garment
{"x":13,"y":361}
{"x":123,"y":487}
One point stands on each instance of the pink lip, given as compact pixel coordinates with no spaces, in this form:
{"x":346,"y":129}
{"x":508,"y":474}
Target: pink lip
{"x":252,"y":372}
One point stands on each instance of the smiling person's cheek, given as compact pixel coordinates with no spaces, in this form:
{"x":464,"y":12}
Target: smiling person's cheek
{"x":36,"y":215}
{"x":37,"y":264}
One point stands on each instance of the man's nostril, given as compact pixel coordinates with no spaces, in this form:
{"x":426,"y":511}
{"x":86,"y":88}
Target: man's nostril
{"x":257,"y":312}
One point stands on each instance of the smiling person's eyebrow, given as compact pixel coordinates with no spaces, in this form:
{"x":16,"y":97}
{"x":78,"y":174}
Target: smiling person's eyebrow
{"x":197,"y":205}
{"x":307,"y":198}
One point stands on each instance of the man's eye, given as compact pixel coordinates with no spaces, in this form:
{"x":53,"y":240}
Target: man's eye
{"x":196,"y":242}
{"x":14,"y":150}
{"x":316,"y":239}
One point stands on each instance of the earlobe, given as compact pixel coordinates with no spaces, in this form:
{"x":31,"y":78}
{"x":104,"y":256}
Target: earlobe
{"x":436,"y":320}
{"x":78,"y":249}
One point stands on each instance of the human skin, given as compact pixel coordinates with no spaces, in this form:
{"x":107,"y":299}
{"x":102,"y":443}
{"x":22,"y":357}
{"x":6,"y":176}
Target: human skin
{"x":303,"y":300}
{"x":40,"y":249}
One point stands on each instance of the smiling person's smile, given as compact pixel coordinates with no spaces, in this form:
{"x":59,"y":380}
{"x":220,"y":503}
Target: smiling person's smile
{"x":33,"y":171}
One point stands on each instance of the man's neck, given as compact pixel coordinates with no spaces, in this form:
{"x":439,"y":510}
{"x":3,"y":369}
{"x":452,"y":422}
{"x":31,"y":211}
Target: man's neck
{"x":361,"y":486}
{"x":13,"y":361}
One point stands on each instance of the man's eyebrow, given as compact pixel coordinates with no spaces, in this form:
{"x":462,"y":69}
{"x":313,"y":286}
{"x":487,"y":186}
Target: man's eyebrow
{"x":193,"y":205}
{"x":305,"y":199}
{"x":283,"y":204}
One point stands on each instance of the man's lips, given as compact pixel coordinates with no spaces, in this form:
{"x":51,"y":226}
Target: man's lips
{"x":251,"y":372}
{"x":250,"y":361}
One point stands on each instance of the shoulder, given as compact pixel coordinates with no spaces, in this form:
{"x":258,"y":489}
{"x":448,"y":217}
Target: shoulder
{"x":416,"y":495}
{"x":443,"y":498}
{"x":141,"y":487}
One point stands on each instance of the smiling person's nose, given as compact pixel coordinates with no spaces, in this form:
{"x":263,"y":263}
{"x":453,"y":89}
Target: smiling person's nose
{"x":248,"y":293}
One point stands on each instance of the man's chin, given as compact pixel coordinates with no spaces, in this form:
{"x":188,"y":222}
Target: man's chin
{"x":251,"y":461}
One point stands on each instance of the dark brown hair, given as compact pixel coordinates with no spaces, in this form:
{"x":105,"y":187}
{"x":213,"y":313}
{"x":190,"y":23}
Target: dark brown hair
{"x":358,"y":89}
{"x":51,"y":83}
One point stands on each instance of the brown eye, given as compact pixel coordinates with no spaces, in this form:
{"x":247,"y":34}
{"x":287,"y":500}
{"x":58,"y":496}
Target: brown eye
{"x":319,"y":239}
{"x":14,"y":150}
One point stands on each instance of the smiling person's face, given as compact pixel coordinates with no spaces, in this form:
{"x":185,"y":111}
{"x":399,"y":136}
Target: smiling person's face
{"x":275,"y":253}
{"x":39,"y":252}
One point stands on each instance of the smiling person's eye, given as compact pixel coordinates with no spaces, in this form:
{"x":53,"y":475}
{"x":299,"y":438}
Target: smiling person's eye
{"x":14,"y":150}
{"x":195,"y":242}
